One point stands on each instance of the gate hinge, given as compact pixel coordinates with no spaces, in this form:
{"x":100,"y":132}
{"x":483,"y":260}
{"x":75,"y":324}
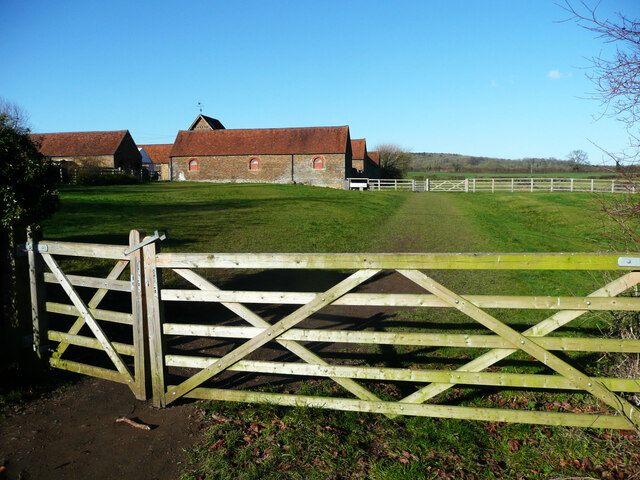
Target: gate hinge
{"x":156,"y":236}
{"x":629,"y":262}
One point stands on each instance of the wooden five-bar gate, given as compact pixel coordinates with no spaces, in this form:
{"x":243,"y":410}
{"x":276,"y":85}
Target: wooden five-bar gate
{"x":257,"y":319}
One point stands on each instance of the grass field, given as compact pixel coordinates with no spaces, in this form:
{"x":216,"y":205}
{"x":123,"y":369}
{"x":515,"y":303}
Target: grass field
{"x":263,"y":441}
{"x":445,"y":175}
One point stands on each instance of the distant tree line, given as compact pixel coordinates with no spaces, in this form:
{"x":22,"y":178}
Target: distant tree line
{"x":577,"y":161}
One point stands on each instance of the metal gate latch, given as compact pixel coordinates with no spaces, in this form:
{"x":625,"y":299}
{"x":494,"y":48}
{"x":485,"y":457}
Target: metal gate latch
{"x":629,"y":262}
{"x":146,"y":241}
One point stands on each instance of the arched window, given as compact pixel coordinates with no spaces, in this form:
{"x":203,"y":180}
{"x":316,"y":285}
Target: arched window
{"x":254,"y":163}
{"x":193,"y":165}
{"x":318,"y":163}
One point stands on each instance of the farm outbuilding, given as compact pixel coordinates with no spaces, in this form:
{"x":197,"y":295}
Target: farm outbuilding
{"x":313,"y":155}
{"x":112,"y":149}
{"x":202,"y":122}
{"x":362,"y":162}
{"x":159,"y":156}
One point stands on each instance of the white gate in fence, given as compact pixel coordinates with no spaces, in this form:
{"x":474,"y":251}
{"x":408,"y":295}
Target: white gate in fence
{"x":492,"y":185}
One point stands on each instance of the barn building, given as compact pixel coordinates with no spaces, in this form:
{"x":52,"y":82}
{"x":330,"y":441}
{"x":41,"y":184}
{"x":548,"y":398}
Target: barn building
{"x":202,"y":122}
{"x":313,"y":155}
{"x":159,"y":156}
{"x":362,"y":162}
{"x":91,"y":149}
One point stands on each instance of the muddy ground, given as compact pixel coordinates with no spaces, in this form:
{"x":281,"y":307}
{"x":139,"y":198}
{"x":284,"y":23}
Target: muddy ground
{"x":72,"y":434}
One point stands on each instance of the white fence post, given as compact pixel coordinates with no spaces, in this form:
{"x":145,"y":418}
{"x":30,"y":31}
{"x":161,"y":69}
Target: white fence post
{"x":592,"y":185}
{"x":466,"y":184}
{"x":551,"y":186}
{"x":532,"y":184}
{"x":426,"y":185}
{"x":512,"y":185}
{"x":572,"y":184}
{"x":413,"y":185}
{"x":493,"y":185}
{"x":474,"y":185}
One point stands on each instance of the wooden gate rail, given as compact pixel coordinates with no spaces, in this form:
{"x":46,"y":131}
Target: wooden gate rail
{"x":503,"y":342}
{"x":41,"y":254}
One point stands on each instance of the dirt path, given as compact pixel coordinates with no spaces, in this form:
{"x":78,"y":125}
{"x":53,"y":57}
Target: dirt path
{"x":72,"y":434}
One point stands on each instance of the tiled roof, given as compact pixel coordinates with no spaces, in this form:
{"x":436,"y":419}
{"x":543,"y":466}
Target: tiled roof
{"x":158,"y":153}
{"x":266,"y":141}
{"x":212,"y":122}
{"x":76,"y":144}
{"x":375,"y":156}
{"x":358,"y":147}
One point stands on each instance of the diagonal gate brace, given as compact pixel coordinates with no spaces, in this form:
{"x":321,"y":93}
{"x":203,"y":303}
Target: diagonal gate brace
{"x":320,"y":301}
{"x":526,"y":344}
{"x":543,"y":328}
{"x":293,"y":346}
{"x":84,"y":311}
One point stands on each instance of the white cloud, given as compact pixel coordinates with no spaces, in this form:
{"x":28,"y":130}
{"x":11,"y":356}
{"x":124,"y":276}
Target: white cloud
{"x":494,"y":83}
{"x":557,"y":74}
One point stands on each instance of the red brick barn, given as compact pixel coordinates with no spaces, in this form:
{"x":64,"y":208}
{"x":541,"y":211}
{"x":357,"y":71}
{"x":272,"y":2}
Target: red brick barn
{"x":313,"y":156}
{"x":91,"y":149}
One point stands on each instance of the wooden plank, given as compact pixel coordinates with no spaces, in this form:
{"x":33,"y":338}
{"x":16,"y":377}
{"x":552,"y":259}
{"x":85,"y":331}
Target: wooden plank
{"x":405,"y":300}
{"x":98,"y":314}
{"x":573,"y":344}
{"x":90,"y":370}
{"x":155,"y":318}
{"x":294,"y":347}
{"x":88,"y":342}
{"x":91,"y":250}
{"x":114,"y":274}
{"x":422,"y":410}
{"x":508,"y":380}
{"x":88,"y":318}
{"x":271,"y":333}
{"x":528,"y":345}
{"x":433,"y":261}
{"x":141,"y":360}
{"x":37,"y":292}
{"x":545,"y":327}
{"x":92,"y":282}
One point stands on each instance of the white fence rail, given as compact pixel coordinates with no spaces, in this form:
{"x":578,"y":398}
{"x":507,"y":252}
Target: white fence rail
{"x":506,"y":185}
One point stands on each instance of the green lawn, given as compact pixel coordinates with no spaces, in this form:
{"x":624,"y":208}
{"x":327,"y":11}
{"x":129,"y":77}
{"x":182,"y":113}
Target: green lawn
{"x":263,"y":441}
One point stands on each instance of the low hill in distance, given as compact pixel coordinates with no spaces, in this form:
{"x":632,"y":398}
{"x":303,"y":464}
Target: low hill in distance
{"x":454,"y":163}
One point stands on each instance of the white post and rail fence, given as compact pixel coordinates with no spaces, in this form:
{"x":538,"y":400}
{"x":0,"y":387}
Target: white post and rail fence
{"x":493,"y":185}
{"x":139,"y":342}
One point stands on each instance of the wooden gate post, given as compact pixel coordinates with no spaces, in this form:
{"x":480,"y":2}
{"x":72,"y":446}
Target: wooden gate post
{"x":37,"y":290}
{"x":138,"y":311}
{"x":155,"y":317}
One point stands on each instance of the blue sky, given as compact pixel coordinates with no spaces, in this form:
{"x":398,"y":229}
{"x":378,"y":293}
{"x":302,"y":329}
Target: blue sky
{"x":493,"y":78}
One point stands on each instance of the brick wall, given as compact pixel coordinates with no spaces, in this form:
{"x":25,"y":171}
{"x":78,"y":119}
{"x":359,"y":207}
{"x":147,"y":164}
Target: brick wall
{"x":272,"y":169}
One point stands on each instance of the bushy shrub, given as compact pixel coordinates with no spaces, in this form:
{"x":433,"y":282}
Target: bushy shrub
{"x":97,"y":179}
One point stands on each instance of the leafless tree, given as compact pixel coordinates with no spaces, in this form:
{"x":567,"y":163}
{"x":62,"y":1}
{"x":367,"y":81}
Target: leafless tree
{"x":394,"y":160}
{"x":617,"y":87}
{"x":617,"y":82}
{"x":578,"y":159}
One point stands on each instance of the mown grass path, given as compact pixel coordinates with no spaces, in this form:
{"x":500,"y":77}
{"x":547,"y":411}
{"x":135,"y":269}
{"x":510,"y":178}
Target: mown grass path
{"x":429,"y":223}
